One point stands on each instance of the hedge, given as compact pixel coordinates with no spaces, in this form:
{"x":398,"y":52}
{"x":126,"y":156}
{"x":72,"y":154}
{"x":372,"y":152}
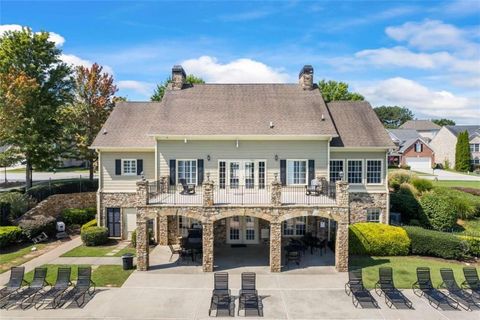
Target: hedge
{"x":465,"y":204}
{"x":94,"y":236}
{"x":78,"y":216}
{"x":89,"y":224}
{"x":422,"y":185}
{"x":473,"y":245}
{"x":439,"y":211}
{"x":9,"y":235}
{"x":436,"y":244}
{"x":405,"y":202}
{"x":378,"y":239}
{"x":36,"y":225}
{"x":44,"y":190}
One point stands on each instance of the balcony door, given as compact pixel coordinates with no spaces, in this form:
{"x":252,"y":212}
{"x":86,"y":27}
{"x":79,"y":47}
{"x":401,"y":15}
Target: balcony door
{"x":242,"y":230}
{"x":248,"y":174}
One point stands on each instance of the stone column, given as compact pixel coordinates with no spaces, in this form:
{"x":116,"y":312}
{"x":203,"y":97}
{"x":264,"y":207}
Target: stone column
{"x":275,"y":247}
{"x":207,"y":242}
{"x":163,"y":230}
{"x":276,"y":193}
{"x":142,"y":245}
{"x":341,"y":247}
{"x":142,"y":192}
{"x":342,"y":197}
{"x":208,"y":193}
{"x":164,"y":181}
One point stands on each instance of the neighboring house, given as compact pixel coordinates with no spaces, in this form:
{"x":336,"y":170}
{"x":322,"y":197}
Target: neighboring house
{"x":445,"y":142}
{"x":249,"y":164}
{"x":426,"y":128}
{"x":412,"y":150}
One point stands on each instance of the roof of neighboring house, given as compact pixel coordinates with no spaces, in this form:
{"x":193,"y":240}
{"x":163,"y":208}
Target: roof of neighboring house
{"x":420,"y":125}
{"x":472,"y":130}
{"x":402,"y":135}
{"x":357,"y":125}
{"x":406,"y":144}
{"x":4,"y":148}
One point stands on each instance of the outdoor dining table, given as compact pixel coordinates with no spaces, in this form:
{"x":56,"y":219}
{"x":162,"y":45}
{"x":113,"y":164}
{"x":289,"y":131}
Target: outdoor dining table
{"x":194,"y":245}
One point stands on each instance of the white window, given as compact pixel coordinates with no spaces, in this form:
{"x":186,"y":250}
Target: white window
{"x":336,"y":166}
{"x":418,"y":147}
{"x":296,"y":172}
{"x":185,"y":224}
{"x":374,"y":171}
{"x":295,"y":226}
{"x":474,"y":147}
{"x":355,"y":171}
{"x":373,"y":215}
{"x":187,"y":169}
{"x":129,"y":167}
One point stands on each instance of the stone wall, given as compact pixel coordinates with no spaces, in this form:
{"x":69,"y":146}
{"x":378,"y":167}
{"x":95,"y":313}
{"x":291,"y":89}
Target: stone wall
{"x":114,"y":200}
{"x":361,"y":201}
{"x":220,"y":232}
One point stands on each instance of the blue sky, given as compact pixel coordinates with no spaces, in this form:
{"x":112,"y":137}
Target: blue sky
{"x":422,"y":55}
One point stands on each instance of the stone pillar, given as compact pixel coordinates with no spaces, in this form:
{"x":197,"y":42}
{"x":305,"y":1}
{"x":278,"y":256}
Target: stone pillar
{"x":142,"y":245}
{"x":208,"y":193}
{"x":341,"y":247}
{"x":163,"y":230}
{"x":142,"y":192}
{"x":342,"y":197}
{"x":207,"y":242}
{"x":275,"y":247}
{"x":164,"y":182}
{"x":276,"y":193}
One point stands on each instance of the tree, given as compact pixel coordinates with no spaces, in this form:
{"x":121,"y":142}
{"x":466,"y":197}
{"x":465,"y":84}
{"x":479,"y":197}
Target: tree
{"x":443,"y":122}
{"x":44,"y":82}
{"x":93,"y":103}
{"x":336,"y":90}
{"x":160,"y":89}
{"x":393,"y":116}
{"x":8,"y":158}
{"x":462,"y":152}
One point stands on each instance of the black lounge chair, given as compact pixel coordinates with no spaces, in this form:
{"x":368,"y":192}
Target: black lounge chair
{"x":84,"y":285}
{"x":187,"y":188}
{"x":464,"y":298}
{"x":355,"y":287}
{"x":314,"y":188}
{"x":27,"y":296}
{"x":386,"y":286}
{"x":248,"y":295}
{"x":221,"y":297}
{"x":471,"y":281}
{"x":58,"y":290}
{"x":423,"y":287}
{"x":14,"y":283}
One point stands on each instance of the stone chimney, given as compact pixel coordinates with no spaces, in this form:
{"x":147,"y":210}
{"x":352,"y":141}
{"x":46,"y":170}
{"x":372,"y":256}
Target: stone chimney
{"x":305,"y":77}
{"x":178,"y":77}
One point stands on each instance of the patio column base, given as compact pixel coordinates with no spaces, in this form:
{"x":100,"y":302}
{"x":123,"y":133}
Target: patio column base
{"x":275,"y":247}
{"x":163,"y":230}
{"x":341,"y":248}
{"x":142,"y":246}
{"x":207,"y":234}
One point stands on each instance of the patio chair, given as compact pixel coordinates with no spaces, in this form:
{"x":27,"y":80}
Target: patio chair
{"x":187,"y":188}
{"x":84,"y":285}
{"x":464,"y":298}
{"x":355,"y":287}
{"x":58,"y":290}
{"x":14,"y":283}
{"x":221,"y":297}
{"x":314,"y":188}
{"x":248,"y":295}
{"x":27,"y":296}
{"x":471,"y":281}
{"x":292,"y":256}
{"x":423,"y":287}
{"x":386,"y":286}
{"x":40,"y":238}
{"x":174,"y":251}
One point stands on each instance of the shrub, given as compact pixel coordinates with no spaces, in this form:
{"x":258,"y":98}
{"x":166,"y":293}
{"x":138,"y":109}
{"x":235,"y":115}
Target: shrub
{"x":94,"y":236}
{"x":405,"y":202}
{"x":33,"y":226}
{"x":465,"y":205}
{"x":44,"y":190}
{"x":398,"y":177}
{"x":134,"y":238}
{"x":473,"y":244}
{"x":9,"y":235}
{"x":19,"y":203}
{"x":439,"y":211}
{"x":89,"y":224}
{"x":422,"y":185}
{"x":435,"y":243}
{"x":78,"y":216}
{"x":378,"y":239}
{"x":408,"y":188}
{"x":405,"y":167}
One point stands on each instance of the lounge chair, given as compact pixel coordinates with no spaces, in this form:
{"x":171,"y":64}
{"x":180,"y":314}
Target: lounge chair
{"x":471,"y":281}
{"x":27,"y":297}
{"x":386,"y":286}
{"x":314,"y":188}
{"x":174,"y":251}
{"x":423,"y":287}
{"x":292,"y":256}
{"x":187,"y":188}
{"x":14,"y":283}
{"x":248,"y":295}
{"x":221,"y":297}
{"x":355,"y":287}
{"x":464,"y":298}
{"x":58,"y":290}
{"x":84,"y":285}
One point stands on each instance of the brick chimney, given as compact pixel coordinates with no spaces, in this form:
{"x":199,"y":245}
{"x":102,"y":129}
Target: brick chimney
{"x":178,"y":77}
{"x":305,"y":77}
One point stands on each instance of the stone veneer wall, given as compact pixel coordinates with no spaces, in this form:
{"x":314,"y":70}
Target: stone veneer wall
{"x":361,"y":201}
{"x":115,"y":200}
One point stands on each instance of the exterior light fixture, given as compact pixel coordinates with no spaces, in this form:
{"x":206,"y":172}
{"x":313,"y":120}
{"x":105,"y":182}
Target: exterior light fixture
{"x":276,"y":157}
{"x":340,"y":175}
{"x":208,"y":157}
{"x":143,"y":176}
{"x":237,"y":143}
{"x":185,"y":140}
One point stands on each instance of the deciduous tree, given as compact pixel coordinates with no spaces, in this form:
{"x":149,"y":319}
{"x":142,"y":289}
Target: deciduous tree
{"x":393,"y":116}
{"x":443,"y":122}
{"x":336,"y":90}
{"x":159,"y":91}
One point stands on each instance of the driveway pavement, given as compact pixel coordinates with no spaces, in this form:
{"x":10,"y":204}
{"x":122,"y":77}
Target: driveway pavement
{"x":448,"y":175}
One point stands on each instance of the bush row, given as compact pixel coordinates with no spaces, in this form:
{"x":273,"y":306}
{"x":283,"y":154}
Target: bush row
{"x":378,"y":239}
{"x":78,"y":216}
{"x":9,"y":235}
{"x":94,"y":236}
{"x":42,"y":191}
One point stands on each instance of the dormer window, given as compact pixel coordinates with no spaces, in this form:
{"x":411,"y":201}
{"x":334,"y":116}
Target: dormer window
{"x":418,"y":146}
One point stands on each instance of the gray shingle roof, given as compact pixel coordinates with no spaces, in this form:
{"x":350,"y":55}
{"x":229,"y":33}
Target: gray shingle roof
{"x":404,"y":134}
{"x":357,"y":125}
{"x":472,"y":130}
{"x":406,"y":144}
{"x":420,"y":125}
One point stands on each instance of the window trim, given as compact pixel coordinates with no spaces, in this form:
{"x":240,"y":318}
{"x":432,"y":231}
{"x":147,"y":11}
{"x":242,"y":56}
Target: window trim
{"x":306,"y":172}
{"x":330,"y":168}
{"x":255,"y":161}
{"x":363,"y":173}
{"x":418,"y":143}
{"x":381,"y":173}
{"x":129,"y":174}
{"x":379,"y":215}
{"x":294,"y":227}
{"x":196,"y":169}
{"x":472,"y":147}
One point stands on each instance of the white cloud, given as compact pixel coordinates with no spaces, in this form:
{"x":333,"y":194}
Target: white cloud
{"x":422,"y":100}
{"x":402,"y":57}
{"x":54,"y":37}
{"x":143,"y":88}
{"x":76,"y":61}
{"x":237,"y":71}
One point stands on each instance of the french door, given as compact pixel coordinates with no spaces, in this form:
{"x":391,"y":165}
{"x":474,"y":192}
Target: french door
{"x":246,"y":173}
{"x":113,"y":222}
{"x":242,"y":230}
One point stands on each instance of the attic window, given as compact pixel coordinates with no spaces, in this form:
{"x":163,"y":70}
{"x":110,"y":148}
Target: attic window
{"x":418,"y":146}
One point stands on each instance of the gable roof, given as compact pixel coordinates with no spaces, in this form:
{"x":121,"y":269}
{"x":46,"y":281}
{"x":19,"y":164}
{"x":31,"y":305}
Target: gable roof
{"x":402,"y":135}
{"x":357,"y":125}
{"x":420,"y":125}
{"x":472,"y":130}
{"x":406,"y":144}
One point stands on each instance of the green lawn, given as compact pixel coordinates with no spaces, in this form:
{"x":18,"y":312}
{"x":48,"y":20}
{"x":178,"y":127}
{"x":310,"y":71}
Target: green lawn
{"x":128,"y":249}
{"x":457,"y":183}
{"x":17,"y":255}
{"x":103,"y":276}
{"x":472,"y":225}
{"x":98,"y":251}
{"x":404,"y":269}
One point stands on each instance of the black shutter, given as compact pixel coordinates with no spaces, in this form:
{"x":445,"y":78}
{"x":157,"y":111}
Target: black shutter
{"x":118,"y":167}
{"x":200,"y":171}
{"x":283,"y":172}
{"x":173,"y":171}
{"x":311,"y":171}
{"x":139,"y":167}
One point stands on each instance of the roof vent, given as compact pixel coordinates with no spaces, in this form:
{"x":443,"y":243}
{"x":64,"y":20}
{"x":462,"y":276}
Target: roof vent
{"x":104,"y":131}
{"x":323,"y":117}
{"x":271,"y":125}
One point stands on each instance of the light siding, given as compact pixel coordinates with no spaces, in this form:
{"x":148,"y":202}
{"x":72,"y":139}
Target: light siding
{"x":443,"y":144}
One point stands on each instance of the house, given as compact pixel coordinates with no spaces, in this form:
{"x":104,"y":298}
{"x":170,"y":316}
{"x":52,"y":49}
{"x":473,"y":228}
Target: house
{"x":412,"y":150}
{"x":445,"y":142}
{"x":247,"y":164}
{"x":426,"y":128}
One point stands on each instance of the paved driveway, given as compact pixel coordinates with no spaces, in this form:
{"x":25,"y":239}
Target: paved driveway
{"x":448,"y":175}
